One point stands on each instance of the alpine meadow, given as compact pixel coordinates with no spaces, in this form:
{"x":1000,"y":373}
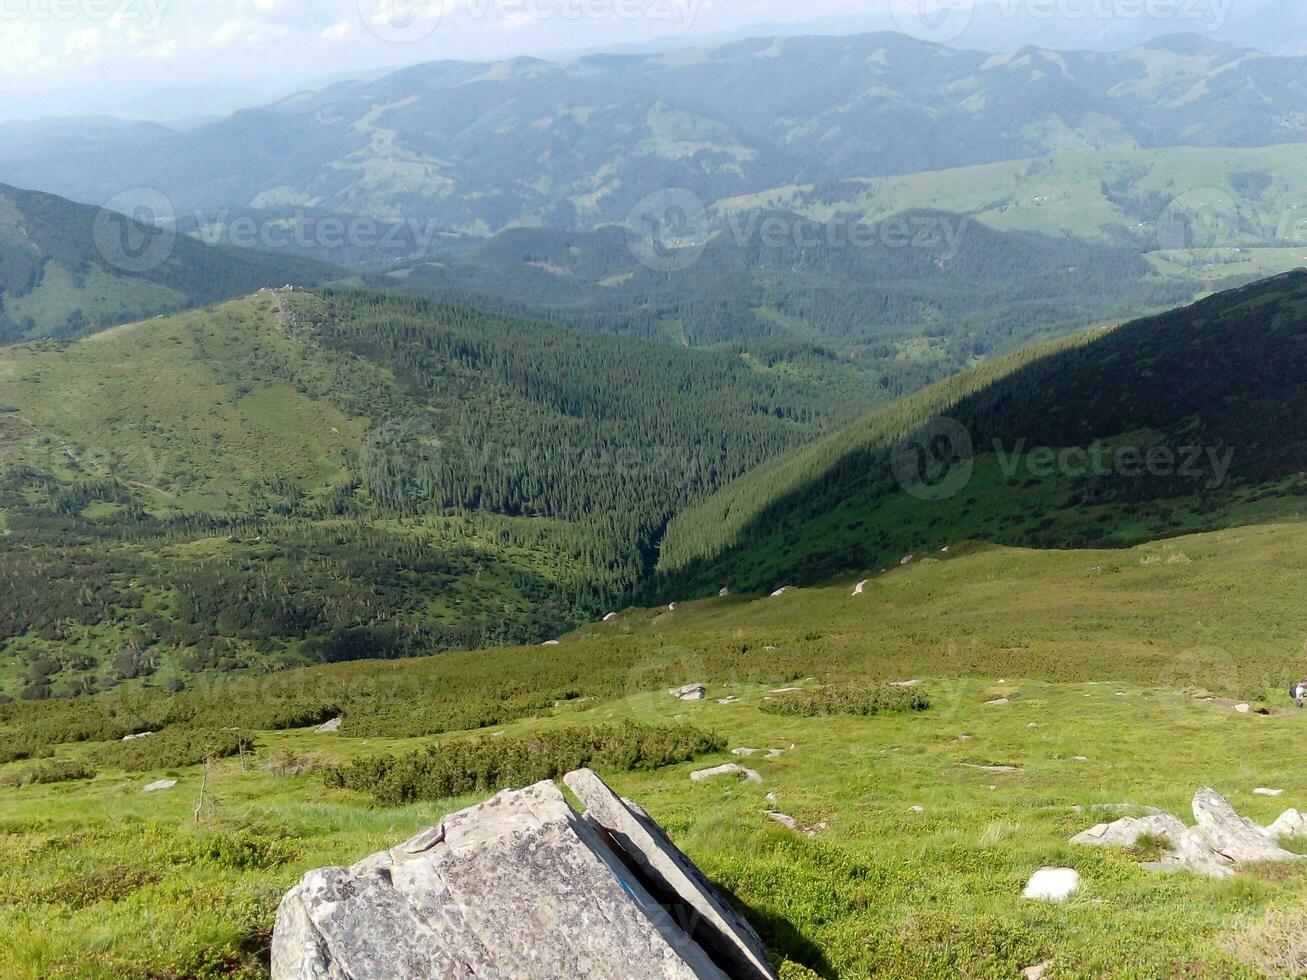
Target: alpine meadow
{"x":695,"y":491}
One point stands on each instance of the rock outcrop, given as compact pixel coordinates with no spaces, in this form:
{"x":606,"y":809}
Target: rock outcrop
{"x":519,"y":888}
{"x":1215,"y":846}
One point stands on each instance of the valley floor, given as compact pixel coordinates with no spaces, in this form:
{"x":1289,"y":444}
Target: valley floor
{"x":1111,"y":654}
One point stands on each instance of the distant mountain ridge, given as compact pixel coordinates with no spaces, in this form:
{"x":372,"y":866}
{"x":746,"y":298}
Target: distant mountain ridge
{"x":481,"y":147}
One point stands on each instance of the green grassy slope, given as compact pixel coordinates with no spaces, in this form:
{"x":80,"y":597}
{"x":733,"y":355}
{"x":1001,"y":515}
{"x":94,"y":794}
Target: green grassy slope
{"x":1198,"y":212}
{"x":1105,"y":658}
{"x":1212,"y":392}
{"x":67,"y":269}
{"x":293,"y":477}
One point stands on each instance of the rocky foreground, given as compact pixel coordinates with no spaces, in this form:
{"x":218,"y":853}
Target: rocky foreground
{"x":522,"y":887}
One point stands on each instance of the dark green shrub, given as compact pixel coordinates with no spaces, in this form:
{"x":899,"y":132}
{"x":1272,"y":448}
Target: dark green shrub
{"x":849,"y":699}
{"x":483,"y":764}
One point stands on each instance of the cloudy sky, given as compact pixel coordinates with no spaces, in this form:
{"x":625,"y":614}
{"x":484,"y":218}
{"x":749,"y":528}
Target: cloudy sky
{"x":167,"y":59}
{"x":57,"y":54}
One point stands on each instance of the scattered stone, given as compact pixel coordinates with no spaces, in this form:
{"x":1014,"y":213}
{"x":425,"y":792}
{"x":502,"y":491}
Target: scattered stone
{"x":972,"y":765}
{"x":773,"y":797}
{"x":1036,"y":972}
{"x":789,"y":823}
{"x":133,"y":738}
{"x":1034,"y":724}
{"x":907,"y":560}
{"x":911,"y":683}
{"x":786,"y":690}
{"x":917,"y":809}
{"x":964,"y":738}
{"x":330,"y":728}
{"x":733,"y":699}
{"x":729,"y":769}
{"x":161,"y":786}
{"x":1263,"y":791}
{"x":524,"y":887}
{"x":1080,"y":758}
{"x":780,"y":592}
{"x":745,"y":751}
{"x":1121,"y":694}
{"x":775,"y":753}
{"x":610,"y":617}
{"x":672,"y":607}
{"x":1290,"y":823}
{"x":551,"y":643}
{"x":996,"y":702}
{"x":1243,"y":709}
{"x":1052,"y":885}
{"x":690,"y":692}
{"x":861,"y":587}
{"x":723,"y":593}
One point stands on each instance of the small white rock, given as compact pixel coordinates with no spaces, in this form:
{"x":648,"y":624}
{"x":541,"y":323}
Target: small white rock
{"x":1263,"y":791}
{"x":1243,"y":709}
{"x":1052,"y":885}
{"x":1036,"y":972}
{"x":160,"y":786}
{"x":917,"y":809}
{"x":997,"y":702}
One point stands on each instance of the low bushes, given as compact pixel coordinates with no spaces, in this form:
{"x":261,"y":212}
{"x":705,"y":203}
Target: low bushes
{"x":173,"y":749}
{"x":484,"y":764}
{"x":53,"y":771}
{"x":850,"y":699}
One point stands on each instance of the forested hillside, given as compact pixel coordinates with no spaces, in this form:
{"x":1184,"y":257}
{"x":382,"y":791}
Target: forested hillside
{"x":296,"y":477}
{"x":906,"y":301}
{"x":1187,"y":421}
{"x":67,"y":269}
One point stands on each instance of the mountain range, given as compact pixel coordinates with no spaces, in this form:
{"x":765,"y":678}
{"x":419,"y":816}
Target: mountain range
{"x":476,"y":148}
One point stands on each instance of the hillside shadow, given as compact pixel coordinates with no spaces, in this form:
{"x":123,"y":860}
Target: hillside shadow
{"x":1176,"y":376}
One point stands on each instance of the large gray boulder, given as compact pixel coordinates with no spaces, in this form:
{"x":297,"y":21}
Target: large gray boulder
{"x":1235,"y":838}
{"x":1215,"y":846}
{"x":519,"y":888}
{"x":1127,"y":831}
{"x":672,"y":878}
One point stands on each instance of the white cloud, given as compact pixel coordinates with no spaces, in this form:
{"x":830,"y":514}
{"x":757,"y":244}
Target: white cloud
{"x":337,"y":32}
